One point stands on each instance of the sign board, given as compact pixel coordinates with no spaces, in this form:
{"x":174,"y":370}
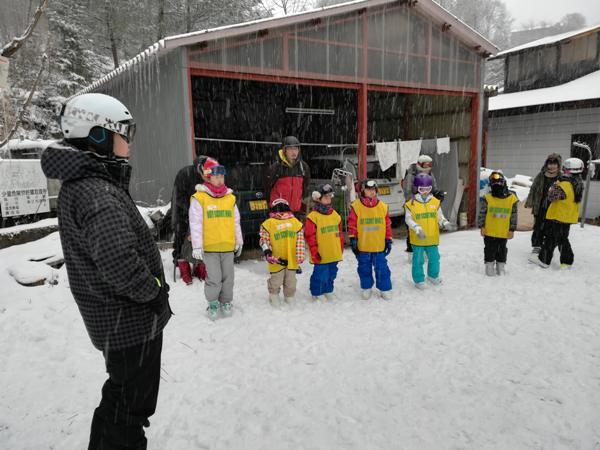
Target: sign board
{"x":23,"y":187}
{"x":4,"y":72}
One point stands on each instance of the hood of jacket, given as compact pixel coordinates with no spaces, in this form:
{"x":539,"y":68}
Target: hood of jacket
{"x":64,"y":162}
{"x":287,"y":162}
{"x":555,"y":156}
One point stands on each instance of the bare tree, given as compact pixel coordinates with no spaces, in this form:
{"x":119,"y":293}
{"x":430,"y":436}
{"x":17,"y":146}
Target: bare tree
{"x":26,"y":103}
{"x":12,"y":47}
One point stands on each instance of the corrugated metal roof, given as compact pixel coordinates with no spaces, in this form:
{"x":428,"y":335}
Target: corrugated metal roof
{"x":548,"y":40}
{"x":430,"y":8}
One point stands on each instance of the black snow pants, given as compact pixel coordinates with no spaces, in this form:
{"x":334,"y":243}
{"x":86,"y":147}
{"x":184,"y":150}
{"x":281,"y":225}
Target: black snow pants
{"x":556,"y":234}
{"x":494,"y":249}
{"x":537,"y":237}
{"x":128,"y":397}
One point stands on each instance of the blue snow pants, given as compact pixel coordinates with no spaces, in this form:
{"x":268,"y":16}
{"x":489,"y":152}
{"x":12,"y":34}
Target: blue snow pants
{"x":433,"y":262}
{"x":322,"y":278}
{"x":375,"y":260}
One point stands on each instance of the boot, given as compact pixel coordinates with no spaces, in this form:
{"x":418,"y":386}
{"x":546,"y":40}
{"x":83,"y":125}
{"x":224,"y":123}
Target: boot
{"x":435,"y":281}
{"x":274,"y":300}
{"x":421,"y":286}
{"x":329,"y":296}
{"x":290,"y":301}
{"x":213,"y":310}
{"x":535,"y":259}
{"x":386,"y":295}
{"x":500,"y":268}
{"x":536,"y":250}
{"x":489,"y":269}
{"x":366,"y":294}
{"x":227,"y":309}
{"x":185,"y":271}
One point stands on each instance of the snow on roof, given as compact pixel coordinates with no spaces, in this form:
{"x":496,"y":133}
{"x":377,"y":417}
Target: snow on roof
{"x":584,"y":88}
{"x":548,"y":40}
{"x":429,"y":7}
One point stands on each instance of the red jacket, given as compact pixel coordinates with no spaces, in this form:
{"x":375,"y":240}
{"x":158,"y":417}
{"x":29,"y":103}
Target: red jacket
{"x":288,"y":181}
{"x":310,"y":235}
{"x":369,"y":203}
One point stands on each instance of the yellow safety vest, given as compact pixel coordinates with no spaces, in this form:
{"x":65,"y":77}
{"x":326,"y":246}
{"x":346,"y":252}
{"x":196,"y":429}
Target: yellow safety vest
{"x":567,"y":210}
{"x":328,"y":236}
{"x":218,"y":222}
{"x":425,"y":215}
{"x":283,"y":234}
{"x":370,"y":225}
{"x":497,"y":219}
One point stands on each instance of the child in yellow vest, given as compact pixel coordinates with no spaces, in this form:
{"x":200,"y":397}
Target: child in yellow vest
{"x":282,"y":242}
{"x":498,"y":221}
{"x":370,"y":231}
{"x":325,"y":240}
{"x":565,"y":198}
{"x":216,"y":236}
{"x":424,"y":216}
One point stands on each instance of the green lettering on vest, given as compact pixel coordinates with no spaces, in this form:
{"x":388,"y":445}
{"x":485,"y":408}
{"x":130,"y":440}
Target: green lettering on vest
{"x":329,"y":229}
{"x":284,"y":235}
{"x":497,"y":210}
{"x":426,"y":215}
{"x":218,"y":213}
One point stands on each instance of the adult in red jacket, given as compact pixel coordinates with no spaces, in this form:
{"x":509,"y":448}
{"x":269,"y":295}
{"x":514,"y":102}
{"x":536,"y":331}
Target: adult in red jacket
{"x":289,"y":176}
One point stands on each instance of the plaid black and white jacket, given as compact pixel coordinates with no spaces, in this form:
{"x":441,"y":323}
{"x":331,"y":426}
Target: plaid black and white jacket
{"x":112,"y":260}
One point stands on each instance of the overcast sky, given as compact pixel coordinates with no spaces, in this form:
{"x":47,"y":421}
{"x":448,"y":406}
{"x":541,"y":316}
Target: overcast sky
{"x":552,"y":10}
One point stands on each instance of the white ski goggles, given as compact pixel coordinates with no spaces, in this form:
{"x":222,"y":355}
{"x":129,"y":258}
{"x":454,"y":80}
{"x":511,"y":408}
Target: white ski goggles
{"x":423,"y":190}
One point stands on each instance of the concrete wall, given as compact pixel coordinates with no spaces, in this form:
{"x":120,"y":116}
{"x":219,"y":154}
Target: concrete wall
{"x":156,"y":92}
{"x":519,"y":144}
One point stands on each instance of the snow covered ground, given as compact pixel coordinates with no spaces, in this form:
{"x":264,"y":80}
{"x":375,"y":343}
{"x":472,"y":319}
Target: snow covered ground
{"x":478,"y":363}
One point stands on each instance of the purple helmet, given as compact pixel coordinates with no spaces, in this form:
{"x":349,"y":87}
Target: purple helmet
{"x":421,"y":180}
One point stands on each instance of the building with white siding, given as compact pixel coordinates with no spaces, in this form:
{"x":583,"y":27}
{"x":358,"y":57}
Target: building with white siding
{"x":551,"y":100}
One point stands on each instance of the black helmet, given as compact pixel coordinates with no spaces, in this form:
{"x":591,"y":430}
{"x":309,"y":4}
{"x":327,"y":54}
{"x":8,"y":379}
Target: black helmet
{"x":371,"y":184}
{"x":497,"y":178}
{"x":324,"y":189}
{"x":291,"y":141}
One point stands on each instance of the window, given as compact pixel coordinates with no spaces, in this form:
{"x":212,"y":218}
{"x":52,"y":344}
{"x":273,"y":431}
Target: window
{"x":593,"y":140}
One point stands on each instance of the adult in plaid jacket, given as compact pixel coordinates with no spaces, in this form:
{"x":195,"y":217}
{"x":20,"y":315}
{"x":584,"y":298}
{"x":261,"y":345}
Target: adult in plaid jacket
{"x":114,"y":266}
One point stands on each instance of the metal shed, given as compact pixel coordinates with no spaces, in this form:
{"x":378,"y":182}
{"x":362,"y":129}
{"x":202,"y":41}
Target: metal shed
{"x":388,"y":70}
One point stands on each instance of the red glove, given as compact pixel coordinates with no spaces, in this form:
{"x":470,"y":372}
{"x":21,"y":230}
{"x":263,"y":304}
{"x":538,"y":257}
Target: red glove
{"x":316,"y":258}
{"x":201,"y":271}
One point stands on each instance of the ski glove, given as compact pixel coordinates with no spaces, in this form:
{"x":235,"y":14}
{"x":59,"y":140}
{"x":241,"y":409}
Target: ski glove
{"x":198,"y":254}
{"x":237,"y":252}
{"x":388,"y":246}
{"x":354,"y":245}
{"x":420,"y":233}
{"x":267,"y":253}
{"x":158,"y":303}
{"x":316,"y":258}
{"x":447,"y":226}
{"x":202,"y":274}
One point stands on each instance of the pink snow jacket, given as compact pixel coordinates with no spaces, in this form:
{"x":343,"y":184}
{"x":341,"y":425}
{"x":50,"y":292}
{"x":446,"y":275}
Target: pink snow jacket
{"x":197,"y":217}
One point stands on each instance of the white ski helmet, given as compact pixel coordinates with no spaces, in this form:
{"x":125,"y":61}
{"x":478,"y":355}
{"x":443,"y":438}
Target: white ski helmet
{"x":424,"y":162}
{"x":573,"y":166}
{"x":82,"y":113}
